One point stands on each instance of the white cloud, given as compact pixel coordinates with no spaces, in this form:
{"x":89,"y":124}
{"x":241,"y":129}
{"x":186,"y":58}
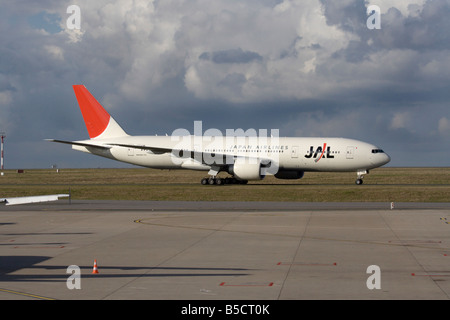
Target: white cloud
{"x":401,"y":120}
{"x":444,"y":126}
{"x":5,"y":110}
{"x":55,"y":52}
{"x":5,"y":98}
{"x":302,"y":54}
{"x":292,"y":43}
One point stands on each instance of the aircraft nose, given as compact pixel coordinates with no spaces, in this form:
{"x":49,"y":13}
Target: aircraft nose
{"x":379,"y":157}
{"x":385,"y":159}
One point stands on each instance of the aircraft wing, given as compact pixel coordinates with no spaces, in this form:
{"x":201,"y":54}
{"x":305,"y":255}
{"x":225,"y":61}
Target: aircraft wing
{"x":216,"y":160}
{"x":177,"y":152}
{"x":32,"y":199}
{"x":157,"y":150}
{"x":221,"y":159}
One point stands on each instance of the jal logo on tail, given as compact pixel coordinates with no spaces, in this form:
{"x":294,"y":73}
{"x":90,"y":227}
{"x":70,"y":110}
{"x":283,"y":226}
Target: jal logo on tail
{"x":319,"y":153}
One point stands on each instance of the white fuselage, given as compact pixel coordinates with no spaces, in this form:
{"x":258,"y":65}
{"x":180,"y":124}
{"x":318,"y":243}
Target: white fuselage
{"x":302,"y":154}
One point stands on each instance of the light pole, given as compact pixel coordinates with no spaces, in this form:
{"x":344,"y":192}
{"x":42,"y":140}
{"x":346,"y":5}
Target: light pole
{"x":2,"y":143}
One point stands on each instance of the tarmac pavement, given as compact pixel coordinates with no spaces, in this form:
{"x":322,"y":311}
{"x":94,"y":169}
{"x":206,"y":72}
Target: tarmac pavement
{"x":224,"y":251}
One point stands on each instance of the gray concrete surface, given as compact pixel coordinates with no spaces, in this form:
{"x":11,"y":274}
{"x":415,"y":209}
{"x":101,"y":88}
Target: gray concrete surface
{"x":207,"y":250}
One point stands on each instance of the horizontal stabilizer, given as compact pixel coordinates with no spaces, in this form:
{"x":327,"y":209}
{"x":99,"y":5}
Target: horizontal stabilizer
{"x":83,"y":144}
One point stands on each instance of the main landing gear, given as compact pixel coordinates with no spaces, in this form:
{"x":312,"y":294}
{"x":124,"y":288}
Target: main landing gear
{"x":214,"y":180}
{"x":361,"y":174}
{"x":221,"y":181}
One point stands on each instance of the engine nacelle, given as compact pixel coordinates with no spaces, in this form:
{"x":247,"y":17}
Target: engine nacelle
{"x":289,"y":174}
{"x":246,"y":169}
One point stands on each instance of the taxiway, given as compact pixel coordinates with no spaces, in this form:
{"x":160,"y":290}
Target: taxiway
{"x":225,"y":250}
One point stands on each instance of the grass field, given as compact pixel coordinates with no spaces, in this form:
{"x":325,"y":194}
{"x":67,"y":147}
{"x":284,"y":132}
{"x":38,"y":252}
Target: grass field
{"x":381,"y":185}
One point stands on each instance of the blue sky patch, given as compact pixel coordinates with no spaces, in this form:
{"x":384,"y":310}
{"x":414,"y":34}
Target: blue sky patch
{"x":50,"y":22}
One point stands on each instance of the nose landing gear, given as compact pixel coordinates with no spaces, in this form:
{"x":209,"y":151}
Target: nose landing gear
{"x":361,"y":174}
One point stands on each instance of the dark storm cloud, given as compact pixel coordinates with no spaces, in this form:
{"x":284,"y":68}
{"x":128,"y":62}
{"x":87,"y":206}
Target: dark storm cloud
{"x":345,"y":14}
{"x":424,"y":32}
{"x":231,"y":56}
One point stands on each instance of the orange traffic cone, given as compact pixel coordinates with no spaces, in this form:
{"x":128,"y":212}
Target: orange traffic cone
{"x":95,"y":270}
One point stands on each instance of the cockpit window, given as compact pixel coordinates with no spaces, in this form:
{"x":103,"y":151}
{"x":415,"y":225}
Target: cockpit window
{"x":377,"y":151}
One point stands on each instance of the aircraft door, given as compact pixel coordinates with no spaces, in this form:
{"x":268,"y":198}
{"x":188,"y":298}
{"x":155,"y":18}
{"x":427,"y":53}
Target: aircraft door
{"x":294,"y":152}
{"x":296,"y":160}
{"x":350,"y":152}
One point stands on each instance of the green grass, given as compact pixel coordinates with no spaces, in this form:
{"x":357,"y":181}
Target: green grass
{"x":382,"y":185}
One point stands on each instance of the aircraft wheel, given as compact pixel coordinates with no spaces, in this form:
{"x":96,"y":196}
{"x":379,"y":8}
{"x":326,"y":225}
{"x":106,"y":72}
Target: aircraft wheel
{"x":211,"y":181}
{"x":219,"y":181}
{"x":204,"y":181}
{"x":359,"y":181}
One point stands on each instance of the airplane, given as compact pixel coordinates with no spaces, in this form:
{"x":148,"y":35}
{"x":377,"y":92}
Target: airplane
{"x":245,"y":157}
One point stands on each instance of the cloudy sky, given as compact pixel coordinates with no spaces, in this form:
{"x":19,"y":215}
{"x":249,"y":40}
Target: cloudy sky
{"x":307,"y":68}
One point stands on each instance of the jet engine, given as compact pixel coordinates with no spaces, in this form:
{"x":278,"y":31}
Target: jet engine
{"x":246,"y":169}
{"x":289,"y":174}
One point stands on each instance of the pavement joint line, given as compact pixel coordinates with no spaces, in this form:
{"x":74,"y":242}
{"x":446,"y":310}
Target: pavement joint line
{"x":35,"y":296}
